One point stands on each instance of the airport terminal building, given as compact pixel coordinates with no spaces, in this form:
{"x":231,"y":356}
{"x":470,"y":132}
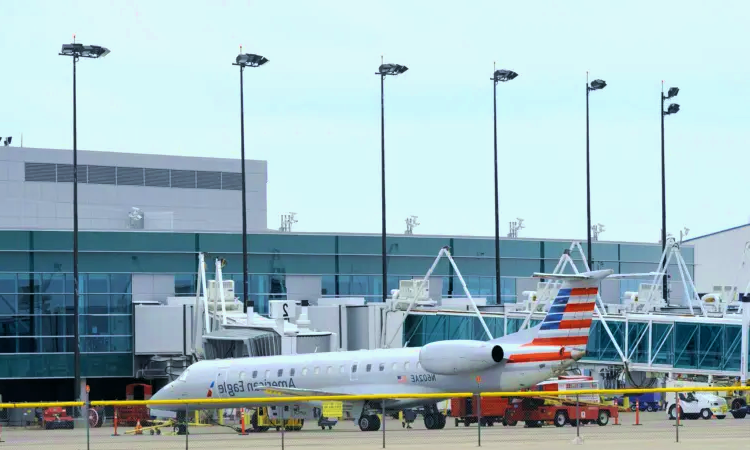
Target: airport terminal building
{"x":143,"y":221}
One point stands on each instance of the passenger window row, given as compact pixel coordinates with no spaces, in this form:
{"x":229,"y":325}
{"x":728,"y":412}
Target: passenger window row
{"x":342,"y":369}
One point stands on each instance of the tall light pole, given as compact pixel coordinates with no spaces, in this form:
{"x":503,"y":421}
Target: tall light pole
{"x":245,"y":60}
{"x":497,"y":76}
{"x":595,"y":85}
{"x":77,"y":51}
{"x":385,"y":70}
{"x":672,"y":109}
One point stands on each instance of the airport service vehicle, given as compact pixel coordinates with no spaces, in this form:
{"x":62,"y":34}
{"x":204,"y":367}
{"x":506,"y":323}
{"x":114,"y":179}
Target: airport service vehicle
{"x":56,"y":418}
{"x":697,"y":404}
{"x":645,"y":402}
{"x":512,"y":362}
{"x":536,"y":411}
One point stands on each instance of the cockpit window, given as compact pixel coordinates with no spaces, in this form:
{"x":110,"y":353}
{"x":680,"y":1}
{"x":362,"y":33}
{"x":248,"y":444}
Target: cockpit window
{"x":184,"y":375}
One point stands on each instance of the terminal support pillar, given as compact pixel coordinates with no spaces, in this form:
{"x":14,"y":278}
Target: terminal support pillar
{"x":744,"y":348}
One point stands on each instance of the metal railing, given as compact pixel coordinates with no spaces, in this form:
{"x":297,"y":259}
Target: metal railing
{"x":591,"y":414}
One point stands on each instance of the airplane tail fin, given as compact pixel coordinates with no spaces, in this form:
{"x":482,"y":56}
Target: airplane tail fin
{"x":568,"y":321}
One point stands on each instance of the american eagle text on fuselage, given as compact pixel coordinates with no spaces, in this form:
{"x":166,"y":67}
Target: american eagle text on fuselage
{"x":232,"y":389}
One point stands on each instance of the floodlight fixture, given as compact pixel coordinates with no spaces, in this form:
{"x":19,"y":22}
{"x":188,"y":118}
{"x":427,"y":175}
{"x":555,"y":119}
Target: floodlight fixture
{"x":250,"y":60}
{"x":391,"y":69}
{"x":672,"y":92}
{"x":672,"y":109}
{"x":597,"y":84}
{"x":503,"y":75}
{"x":84,"y":51}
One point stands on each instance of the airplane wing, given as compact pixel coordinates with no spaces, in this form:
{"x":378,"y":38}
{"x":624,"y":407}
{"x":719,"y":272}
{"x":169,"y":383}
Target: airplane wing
{"x":353,"y":390}
{"x":299,"y":392}
{"x":619,"y":276}
{"x":593,"y":275}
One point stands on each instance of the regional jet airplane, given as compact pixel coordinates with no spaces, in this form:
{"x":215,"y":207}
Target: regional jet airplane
{"x":512,"y":362}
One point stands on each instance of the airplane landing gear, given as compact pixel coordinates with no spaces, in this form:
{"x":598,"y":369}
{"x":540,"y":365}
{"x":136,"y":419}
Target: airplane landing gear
{"x":433,"y":418}
{"x":369,"y":423}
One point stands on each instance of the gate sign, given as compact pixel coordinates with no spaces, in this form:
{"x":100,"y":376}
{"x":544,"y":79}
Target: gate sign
{"x":333,"y":409}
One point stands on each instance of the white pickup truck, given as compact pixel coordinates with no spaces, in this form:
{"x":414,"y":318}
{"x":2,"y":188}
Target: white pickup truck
{"x":693,"y":405}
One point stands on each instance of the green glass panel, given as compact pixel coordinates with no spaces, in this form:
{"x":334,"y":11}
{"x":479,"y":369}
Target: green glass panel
{"x":361,"y":245}
{"x":290,"y":243}
{"x":640,"y":252}
{"x":107,"y":365}
{"x":54,"y":240}
{"x":14,"y":240}
{"x":638,"y":342}
{"x":135,"y":242}
{"x":733,"y":347}
{"x":710,"y":346}
{"x":602,"y":251}
{"x":49,"y":365}
{"x":662,"y":344}
{"x":15,"y":261}
{"x":686,"y":344}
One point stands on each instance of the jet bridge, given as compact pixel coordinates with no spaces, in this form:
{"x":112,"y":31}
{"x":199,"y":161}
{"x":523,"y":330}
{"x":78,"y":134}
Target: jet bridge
{"x":241,"y":343}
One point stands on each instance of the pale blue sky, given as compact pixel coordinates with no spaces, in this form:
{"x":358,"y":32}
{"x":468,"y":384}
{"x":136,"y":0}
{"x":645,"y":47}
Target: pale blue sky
{"x":313,"y":112}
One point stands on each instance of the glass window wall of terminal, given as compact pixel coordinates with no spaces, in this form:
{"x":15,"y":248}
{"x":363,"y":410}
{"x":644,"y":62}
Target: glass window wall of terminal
{"x":37,"y":324}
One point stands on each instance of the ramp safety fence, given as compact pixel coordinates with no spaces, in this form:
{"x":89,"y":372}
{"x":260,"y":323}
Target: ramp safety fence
{"x":613,"y":417}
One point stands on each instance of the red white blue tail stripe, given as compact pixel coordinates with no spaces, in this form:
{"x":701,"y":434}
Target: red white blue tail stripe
{"x":568,"y":321}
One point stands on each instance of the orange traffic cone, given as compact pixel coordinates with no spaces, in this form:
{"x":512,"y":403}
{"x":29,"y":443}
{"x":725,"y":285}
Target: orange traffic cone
{"x":138,"y":427}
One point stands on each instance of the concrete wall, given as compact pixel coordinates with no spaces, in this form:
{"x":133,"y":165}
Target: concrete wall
{"x":49,"y":205}
{"x":718,"y":257}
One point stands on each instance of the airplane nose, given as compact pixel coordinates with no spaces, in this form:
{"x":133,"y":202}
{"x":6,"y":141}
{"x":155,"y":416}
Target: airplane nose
{"x":577,"y":354}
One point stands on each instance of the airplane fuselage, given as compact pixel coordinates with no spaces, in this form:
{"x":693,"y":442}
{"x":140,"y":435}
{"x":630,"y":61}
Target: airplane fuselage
{"x":383,"y":371}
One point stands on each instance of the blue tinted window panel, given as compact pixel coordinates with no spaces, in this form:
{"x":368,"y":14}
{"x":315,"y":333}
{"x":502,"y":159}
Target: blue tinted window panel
{"x":686,"y":345}
{"x":120,"y":283}
{"x":474,"y":247}
{"x":417,"y":266}
{"x":54,"y":240}
{"x":134,"y":242}
{"x":328,"y":285}
{"x":638,"y":342}
{"x":603,"y":251}
{"x":366,"y":265}
{"x":48,"y":365}
{"x":361,"y":245}
{"x":416,"y":246}
{"x":15,"y":261}
{"x":120,"y":325}
{"x":107,"y":365}
{"x":14,"y":240}
{"x":517,"y":267}
{"x":137,"y":263}
{"x":640,"y":252}
{"x":289,"y":243}
{"x":662,"y":344}
{"x":733,"y":346}
{"x":516,"y":248}
{"x":477,"y":266}
{"x":8,"y":306}
{"x":710,"y":346}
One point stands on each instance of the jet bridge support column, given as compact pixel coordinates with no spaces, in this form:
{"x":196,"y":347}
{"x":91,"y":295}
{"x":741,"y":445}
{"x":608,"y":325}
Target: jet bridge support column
{"x":744,"y":347}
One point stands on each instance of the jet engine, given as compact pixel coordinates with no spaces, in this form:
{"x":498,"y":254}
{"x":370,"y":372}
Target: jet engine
{"x":459,"y":356}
